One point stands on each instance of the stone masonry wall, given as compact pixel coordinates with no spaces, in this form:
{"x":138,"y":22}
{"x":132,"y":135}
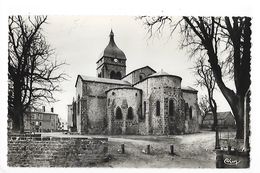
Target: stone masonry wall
{"x":176,"y":122}
{"x":157,"y":89}
{"x":93,"y":109}
{"x":124,"y":99}
{"x":134,"y":77}
{"x":192,"y":125}
{"x":56,"y":152}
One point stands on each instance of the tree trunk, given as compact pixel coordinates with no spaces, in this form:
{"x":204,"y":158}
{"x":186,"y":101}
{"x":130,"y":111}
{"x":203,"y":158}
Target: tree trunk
{"x":18,"y":123}
{"x":215,"y":120}
{"x":234,"y":101}
{"x":239,"y":117}
{"x":237,"y":107}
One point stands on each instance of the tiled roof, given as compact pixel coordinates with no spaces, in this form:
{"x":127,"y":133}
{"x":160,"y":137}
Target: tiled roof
{"x":103,"y":80}
{"x":188,"y":88}
{"x":160,"y":73}
{"x":124,"y":87}
{"x":139,"y":69}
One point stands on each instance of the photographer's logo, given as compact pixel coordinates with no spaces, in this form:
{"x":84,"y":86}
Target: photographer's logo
{"x":229,"y":161}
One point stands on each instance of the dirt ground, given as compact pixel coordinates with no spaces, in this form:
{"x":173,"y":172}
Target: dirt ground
{"x":190,"y":151}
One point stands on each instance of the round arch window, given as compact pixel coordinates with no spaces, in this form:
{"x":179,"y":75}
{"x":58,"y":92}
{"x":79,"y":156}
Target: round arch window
{"x":119,"y":115}
{"x":130,"y":114}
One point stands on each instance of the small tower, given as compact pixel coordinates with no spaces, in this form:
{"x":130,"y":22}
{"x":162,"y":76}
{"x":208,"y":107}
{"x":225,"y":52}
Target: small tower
{"x":112,"y":62}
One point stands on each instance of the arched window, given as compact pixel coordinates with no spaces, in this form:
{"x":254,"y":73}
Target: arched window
{"x":190,"y":112}
{"x":158,"y":108}
{"x":130,"y":115}
{"x":118,"y":75}
{"x":112,"y":75}
{"x":171,"y":108}
{"x":118,"y":113}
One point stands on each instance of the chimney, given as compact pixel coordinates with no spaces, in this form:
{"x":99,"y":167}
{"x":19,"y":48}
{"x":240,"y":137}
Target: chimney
{"x":52,"y":109}
{"x":43,"y":108}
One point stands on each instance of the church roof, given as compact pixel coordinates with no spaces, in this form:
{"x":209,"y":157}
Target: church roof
{"x":102,"y":80}
{"x":112,"y":50}
{"x":159,"y":74}
{"x":124,"y":87}
{"x":189,"y":89}
{"x":139,"y":69}
{"x":162,"y":73}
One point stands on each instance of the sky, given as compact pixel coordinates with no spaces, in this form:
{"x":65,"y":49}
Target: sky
{"x":79,"y":41}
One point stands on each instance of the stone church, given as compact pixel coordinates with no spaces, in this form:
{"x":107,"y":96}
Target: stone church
{"x":143,"y":102}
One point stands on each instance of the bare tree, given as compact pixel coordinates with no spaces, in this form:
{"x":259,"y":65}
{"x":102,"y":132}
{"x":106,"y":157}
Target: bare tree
{"x":33,"y":72}
{"x":206,"y":79}
{"x":220,"y":39}
{"x":204,"y":106}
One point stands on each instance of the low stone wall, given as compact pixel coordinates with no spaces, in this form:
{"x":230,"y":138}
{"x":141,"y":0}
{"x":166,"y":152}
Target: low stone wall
{"x":56,"y":152}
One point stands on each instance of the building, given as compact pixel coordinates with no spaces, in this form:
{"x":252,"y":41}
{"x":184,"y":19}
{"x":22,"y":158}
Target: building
{"x":69,"y":118}
{"x":41,"y":121}
{"x":142,"y":102}
{"x":225,"y":120}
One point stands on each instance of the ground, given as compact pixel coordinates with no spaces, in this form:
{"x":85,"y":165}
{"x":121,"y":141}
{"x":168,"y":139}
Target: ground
{"x":191,"y":151}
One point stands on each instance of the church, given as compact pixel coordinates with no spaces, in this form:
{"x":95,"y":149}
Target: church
{"x":142,"y":102}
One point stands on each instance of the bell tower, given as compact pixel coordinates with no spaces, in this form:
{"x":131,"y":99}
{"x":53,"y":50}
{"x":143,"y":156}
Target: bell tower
{"x":112,"y":62}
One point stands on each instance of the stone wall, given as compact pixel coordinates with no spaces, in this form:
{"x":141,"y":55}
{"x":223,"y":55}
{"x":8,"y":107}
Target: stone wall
{"x":161,"y":88}
{"x":56,"y":152}
{"x":157,"y":123}
{"x":191,"y":125}
{"x":123,"y":98}
{"x":175,"y":123}
{"x":146,"y":122}
{"x":92,"y":118}
{"x":134,"y":76}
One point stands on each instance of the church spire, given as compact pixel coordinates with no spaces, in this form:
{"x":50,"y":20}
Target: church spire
{"x":111,"y":35}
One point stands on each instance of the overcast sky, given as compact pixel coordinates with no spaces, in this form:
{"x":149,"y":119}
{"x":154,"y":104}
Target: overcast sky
{"x":79,"y":40}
